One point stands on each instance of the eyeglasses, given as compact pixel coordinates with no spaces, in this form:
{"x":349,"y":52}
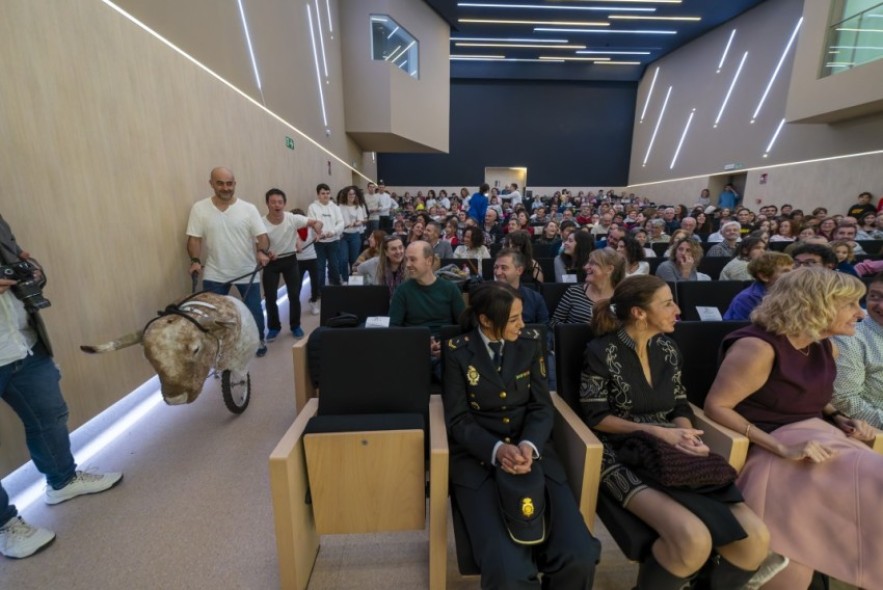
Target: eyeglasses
{"x":799,"y":263}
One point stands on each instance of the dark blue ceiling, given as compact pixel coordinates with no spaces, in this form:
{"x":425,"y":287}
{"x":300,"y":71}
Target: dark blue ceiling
{"x":648,"y":46}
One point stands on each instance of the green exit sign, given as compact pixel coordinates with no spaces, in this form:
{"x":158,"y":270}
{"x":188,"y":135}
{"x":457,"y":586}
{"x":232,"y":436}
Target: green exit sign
{"x":289,"y":143}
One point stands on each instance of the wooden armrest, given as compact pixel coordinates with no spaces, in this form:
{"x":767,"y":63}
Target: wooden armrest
{"x":438,"y":494}
{"x":303,"y":385}
{"x":877,"y":443}
{"x":731,"y":445}
{"x":580,"y":452}
{"x":297,"y":542}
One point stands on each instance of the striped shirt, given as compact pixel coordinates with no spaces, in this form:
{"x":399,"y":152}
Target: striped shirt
{"x":574,"y":308}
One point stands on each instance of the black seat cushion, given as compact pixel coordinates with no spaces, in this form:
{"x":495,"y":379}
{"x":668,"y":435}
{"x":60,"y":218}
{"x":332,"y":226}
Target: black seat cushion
{"x":364,"y":422}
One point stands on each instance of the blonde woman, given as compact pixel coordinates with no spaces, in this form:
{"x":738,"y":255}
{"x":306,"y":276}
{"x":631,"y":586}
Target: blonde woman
{"x":809,"y":475}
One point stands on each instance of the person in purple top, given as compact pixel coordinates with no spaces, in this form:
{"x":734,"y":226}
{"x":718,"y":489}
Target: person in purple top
{"x":765,"y":270}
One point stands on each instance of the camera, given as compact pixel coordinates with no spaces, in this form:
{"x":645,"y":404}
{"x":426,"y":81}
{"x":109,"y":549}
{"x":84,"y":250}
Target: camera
{"x":29,"y":288}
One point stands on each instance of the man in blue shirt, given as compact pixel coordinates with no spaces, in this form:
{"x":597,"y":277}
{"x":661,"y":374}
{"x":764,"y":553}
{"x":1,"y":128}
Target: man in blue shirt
{"x":766,"y":270}
{"x":478,"y":203}
{"x":728,"y":198}
{"x":508,"y":268}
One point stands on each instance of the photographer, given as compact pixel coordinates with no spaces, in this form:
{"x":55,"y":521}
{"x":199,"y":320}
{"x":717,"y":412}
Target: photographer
{"x":29,"y":384}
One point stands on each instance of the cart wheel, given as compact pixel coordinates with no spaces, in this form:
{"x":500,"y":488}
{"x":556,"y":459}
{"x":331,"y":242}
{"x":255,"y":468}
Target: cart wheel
{"x":237,"y":391}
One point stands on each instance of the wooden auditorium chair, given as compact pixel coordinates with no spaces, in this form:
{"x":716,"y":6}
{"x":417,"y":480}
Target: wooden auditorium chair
{"x":355,"y":458}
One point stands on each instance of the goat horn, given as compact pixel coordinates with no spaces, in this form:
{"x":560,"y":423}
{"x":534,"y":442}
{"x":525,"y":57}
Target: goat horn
{"x":123,"y":342}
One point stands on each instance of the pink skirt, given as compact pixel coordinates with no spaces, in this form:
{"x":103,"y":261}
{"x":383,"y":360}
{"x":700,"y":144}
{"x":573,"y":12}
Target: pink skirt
{"x":824,"y":515}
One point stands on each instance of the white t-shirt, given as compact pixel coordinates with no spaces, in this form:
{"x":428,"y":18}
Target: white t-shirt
{"x":331,"y":218}
{"x":373,"y":202}
{"x":228,"y":238}
{"x":514,"y":197}
{"x":16,"y":335}
{"x":284,"y":235}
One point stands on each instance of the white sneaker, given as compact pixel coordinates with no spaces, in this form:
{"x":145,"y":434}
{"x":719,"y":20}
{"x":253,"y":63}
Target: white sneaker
{"x":18,"y":539}
{"x":83,"y":483}
{"x":314,"y":307}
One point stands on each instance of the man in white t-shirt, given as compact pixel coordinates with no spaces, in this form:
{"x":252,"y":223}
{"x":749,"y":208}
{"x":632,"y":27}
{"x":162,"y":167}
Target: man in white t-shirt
{"x":328,"y":244}
{"x":230,"y":234}
{"x":387,"y":206}
{"x":282,"y":229}
{"x":372,"y":203}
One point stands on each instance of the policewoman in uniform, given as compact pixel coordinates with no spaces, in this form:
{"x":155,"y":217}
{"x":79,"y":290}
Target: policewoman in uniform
{"x":520,"y":515}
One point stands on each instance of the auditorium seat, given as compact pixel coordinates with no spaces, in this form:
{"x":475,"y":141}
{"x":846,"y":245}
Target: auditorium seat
{"x":362,"y":300}
{"x":713,"y":265}
{"x":354,"y":461}
{"x":717,"y":294}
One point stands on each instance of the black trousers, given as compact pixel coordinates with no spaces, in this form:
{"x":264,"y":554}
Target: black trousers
{"x":288,"y":270}
{"x":311,"y":267}
{"x":567,"y":558}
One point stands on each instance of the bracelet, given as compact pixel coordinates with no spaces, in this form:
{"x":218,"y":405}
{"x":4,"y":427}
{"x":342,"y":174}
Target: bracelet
{"x":748,"y":429}
{"x":196,"y":260}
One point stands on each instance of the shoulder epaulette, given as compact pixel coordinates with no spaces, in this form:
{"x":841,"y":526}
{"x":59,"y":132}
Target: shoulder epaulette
{"x":458,"y":342}
{"x":530,"y":334}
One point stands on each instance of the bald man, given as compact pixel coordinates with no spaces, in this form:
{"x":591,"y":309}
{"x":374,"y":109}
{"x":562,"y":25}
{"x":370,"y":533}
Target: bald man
{"x":227,"y":239}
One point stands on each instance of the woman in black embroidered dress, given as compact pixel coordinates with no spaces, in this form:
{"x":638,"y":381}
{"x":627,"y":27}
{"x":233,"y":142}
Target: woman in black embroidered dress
{"x":631,"y":382}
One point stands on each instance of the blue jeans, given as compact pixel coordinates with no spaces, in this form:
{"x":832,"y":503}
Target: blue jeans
{"x":350,"y":247}
{"x":252,"y":300}
{"x":327,"y":256}
{"x":30,"y":387}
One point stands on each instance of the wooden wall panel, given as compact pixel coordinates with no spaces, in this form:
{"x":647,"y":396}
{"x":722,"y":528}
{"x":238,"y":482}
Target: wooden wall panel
{"x":108,"y":137}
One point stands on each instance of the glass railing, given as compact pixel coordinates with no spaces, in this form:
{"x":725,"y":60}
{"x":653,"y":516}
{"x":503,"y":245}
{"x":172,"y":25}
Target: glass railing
{"x":392,"y":43}
{"x":854,"y":41}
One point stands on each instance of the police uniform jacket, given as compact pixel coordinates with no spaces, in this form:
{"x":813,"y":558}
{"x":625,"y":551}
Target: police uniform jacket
{"x":483,"y":406}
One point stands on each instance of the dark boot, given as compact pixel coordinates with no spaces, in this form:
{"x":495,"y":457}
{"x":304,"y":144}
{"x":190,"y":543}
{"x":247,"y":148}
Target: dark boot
{"x":726,"y":576}
{"x":652,"y":576}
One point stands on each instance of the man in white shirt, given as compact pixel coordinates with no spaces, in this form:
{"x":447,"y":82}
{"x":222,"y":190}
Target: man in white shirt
{"x":328,"y":244}
{"x":282,"y":229}
{"x":29,"y":383}
{"x":372,"y":203}
{"x":513,"y":196}
{"x":858,"y":387}
{"x":387,"y":206}
{"x":231,"y":235}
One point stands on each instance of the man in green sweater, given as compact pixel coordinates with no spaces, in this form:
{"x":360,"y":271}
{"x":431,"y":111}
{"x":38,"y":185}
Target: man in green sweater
{"x":424,"y":299}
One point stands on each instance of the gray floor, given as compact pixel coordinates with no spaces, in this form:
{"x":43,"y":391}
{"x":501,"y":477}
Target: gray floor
{"x":194,"y":509}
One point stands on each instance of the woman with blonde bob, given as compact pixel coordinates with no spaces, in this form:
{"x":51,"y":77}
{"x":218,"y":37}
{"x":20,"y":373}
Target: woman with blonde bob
{"x":809,"y":475}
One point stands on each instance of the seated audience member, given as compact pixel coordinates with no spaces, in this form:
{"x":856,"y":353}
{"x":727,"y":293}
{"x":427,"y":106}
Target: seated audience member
{"x":809,"y":475}
{"x":786,"y":232}
{"x":678,"y":234}
{"x":846,"y":231}
{"x":867,"y":226}
{"x":845,"y":257}
{"x":877,"y":234}
{"x":550,"y":235}
{"x":746,"y":251}
{"x":520,"y":240}
{"x":682,"y":263}
{"x":766,"y":270}
{"x":731,"y":233}
{"x":689,"y":225}
{"x":577,"y":247}
{"x":814,"y":255}
{"x":826,"y":228}
{"x":496,"y":440}
{"x":611,"y":239}
{"x":862,"y":206}
{"x":858,"y":387}
{"x":629,"y":248}
{"x":432,"y":234}
{"x":524,"y":221}
{"x":657,"y":232}
{"x":424,"y":299}
{"x":472,"y":246}
{"x":387,"y":268}
{"x":641,"y":236}
{"x":508,"y":268}
{"x":604,"y":270}
{"x":375,"y":239}
{"x":631,"y":383}
{"x":415,"y":234}
{"x":451,"y":232}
